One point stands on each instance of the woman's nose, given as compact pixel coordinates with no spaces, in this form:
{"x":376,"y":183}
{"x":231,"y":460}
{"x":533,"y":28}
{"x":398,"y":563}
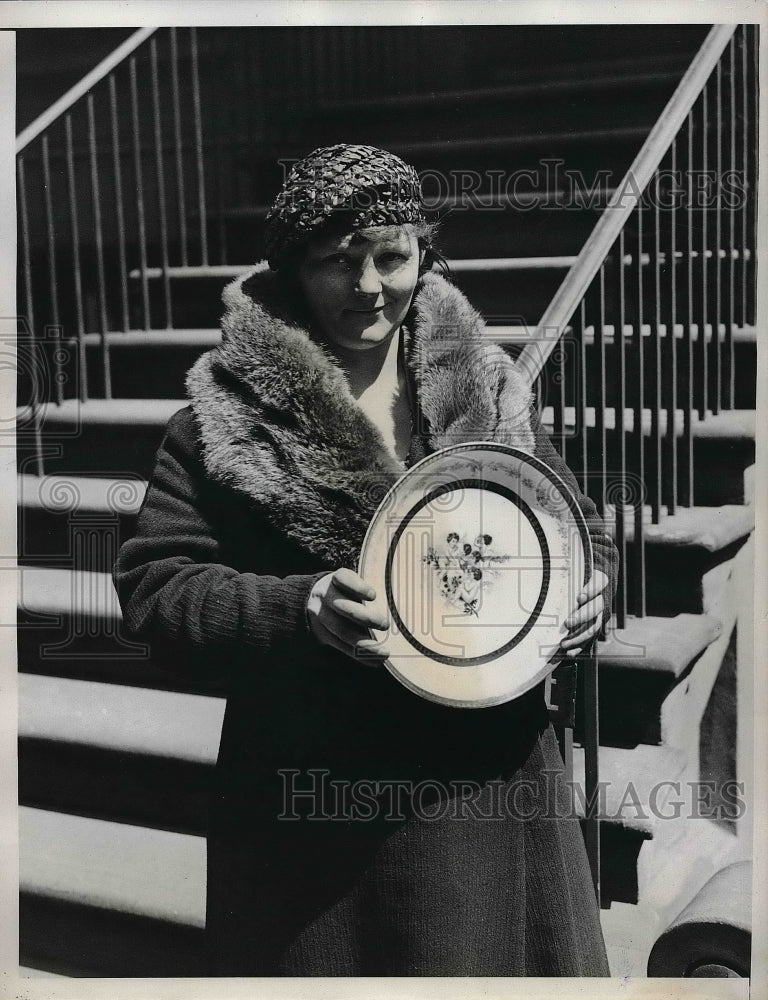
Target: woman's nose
{"x":368,"y":279}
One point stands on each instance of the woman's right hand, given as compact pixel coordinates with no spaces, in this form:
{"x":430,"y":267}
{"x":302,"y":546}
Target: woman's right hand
{"x":337,"y":616}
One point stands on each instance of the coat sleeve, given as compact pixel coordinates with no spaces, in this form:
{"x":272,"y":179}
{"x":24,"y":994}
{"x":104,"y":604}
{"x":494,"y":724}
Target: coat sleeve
{"x":606,"y":556}
{"x":198,"y":614}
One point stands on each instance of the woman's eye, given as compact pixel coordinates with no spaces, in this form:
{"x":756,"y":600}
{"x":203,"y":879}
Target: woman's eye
{"x":392,"y":256}
{"x":338,"y":259}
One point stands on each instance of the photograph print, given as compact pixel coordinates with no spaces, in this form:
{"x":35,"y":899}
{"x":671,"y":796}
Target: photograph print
{"x":385,"y":435}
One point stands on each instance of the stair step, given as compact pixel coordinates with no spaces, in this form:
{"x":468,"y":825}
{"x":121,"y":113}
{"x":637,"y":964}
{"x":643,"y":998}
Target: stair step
{"x":203,"y":338}
{"x":134,"y":755}
{"x":160,"y":874}
{"x":110,"y":898}
{"x":414,"y":150}
{"x":682,"y":549}
{"x":739,"y":334}
{"x":640,"y":79}
{"x":69,"y":624}
{"x":658,"y":645}
{"x":56,"y":514}
{"x":708,"y":528}
{"x":105,"y":436}
{"x":631,"y":777}
{"x":162,"y":372}
{"x":728,"y":424}
{"x":81,"y":494}
{"x":723,"y":443}
{"x":630,"y":810}
{"x":484,"y":149}
{"x":129,"y":720}
{"x":638,"y":667}
{"x":579,"y":350}
{"x":51,"y":592}
{"x":72,"y":413}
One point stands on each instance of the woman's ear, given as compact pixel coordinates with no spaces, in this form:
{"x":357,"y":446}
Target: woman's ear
{"x":424,"y":264}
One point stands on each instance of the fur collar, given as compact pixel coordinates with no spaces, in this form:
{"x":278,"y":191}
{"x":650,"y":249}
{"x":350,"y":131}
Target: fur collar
{"x":279,"y":424}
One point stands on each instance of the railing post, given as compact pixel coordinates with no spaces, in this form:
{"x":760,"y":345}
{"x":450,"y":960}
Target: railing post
{"x":201,"y":200}
{"x":622,"y":493}
{"x":602,"y":388}
{"x":102,"y":293}
{"x":655,"y":401}
{"x":591,"y":738}
{"x":139,"y":179}
{"x":177,"y":137}
{"x":638,"y":582}
{"x":119,"y":213}
{"x":702,"y":401}
{"x":687,"y":480}
{"x":729,"y":388}
{"x":669,"y":390}
{"x":717,"y":248}
{"x":30,"y":313}
{"x":76,"y":274}
{"x":160,"y":172}
{"x":53,"y":283}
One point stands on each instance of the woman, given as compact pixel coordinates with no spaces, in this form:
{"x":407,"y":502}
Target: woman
{"x":356,"y":828}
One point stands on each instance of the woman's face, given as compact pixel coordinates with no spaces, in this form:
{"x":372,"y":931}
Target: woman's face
{"x":359,"y":285}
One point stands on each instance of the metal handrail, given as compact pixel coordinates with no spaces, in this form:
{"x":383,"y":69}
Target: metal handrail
{"x":623,"y":201}
{"x":57,"y":109}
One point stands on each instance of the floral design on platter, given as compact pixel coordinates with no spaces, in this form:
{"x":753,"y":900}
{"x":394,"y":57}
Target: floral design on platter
{"x":463,"y":566}
{"x":549,"y":498}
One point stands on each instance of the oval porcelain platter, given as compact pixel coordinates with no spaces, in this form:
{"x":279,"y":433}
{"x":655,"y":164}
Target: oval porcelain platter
{"x":477,"y":555}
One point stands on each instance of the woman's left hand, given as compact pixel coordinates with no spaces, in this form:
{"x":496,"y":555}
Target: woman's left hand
{"x":585,"y":621}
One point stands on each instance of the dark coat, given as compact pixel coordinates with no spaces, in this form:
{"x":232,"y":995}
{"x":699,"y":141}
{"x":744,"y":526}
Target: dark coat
{"x":265,"y":483}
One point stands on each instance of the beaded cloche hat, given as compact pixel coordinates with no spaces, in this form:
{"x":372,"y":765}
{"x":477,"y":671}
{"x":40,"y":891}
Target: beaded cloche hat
{"x":371,"y":186}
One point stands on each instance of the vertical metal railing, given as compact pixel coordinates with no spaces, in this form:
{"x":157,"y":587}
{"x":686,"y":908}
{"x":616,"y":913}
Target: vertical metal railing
{"x":682,"y":267}
{"x":181,"y":204}
{"x":160,"y":174}
{"x":99,"y":248}
{"x":198,"y":146}
{"x":685,"y":251}
{"x":686,"y":482}
{"x":638,"y":436}
{"x":119,"y":205}
{"x":106,"y":196}
{"x":621,"y":435}
{"x":138,"y":176}
{"x":703,"y":382}
{"x":669,"y":361}
{"x":82,"y":380}
{"x":653,"y":483}
{"x":34,"y":388}
{"x":53,"y":288}
{"x":111,"y":180}
{"x":717,"y":139}
{"x":731,"y":249}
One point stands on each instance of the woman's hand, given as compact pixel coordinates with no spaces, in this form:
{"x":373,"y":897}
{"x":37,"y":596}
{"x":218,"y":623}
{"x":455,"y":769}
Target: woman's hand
{"x":338,"y":618}
{"x":586,"y":619}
